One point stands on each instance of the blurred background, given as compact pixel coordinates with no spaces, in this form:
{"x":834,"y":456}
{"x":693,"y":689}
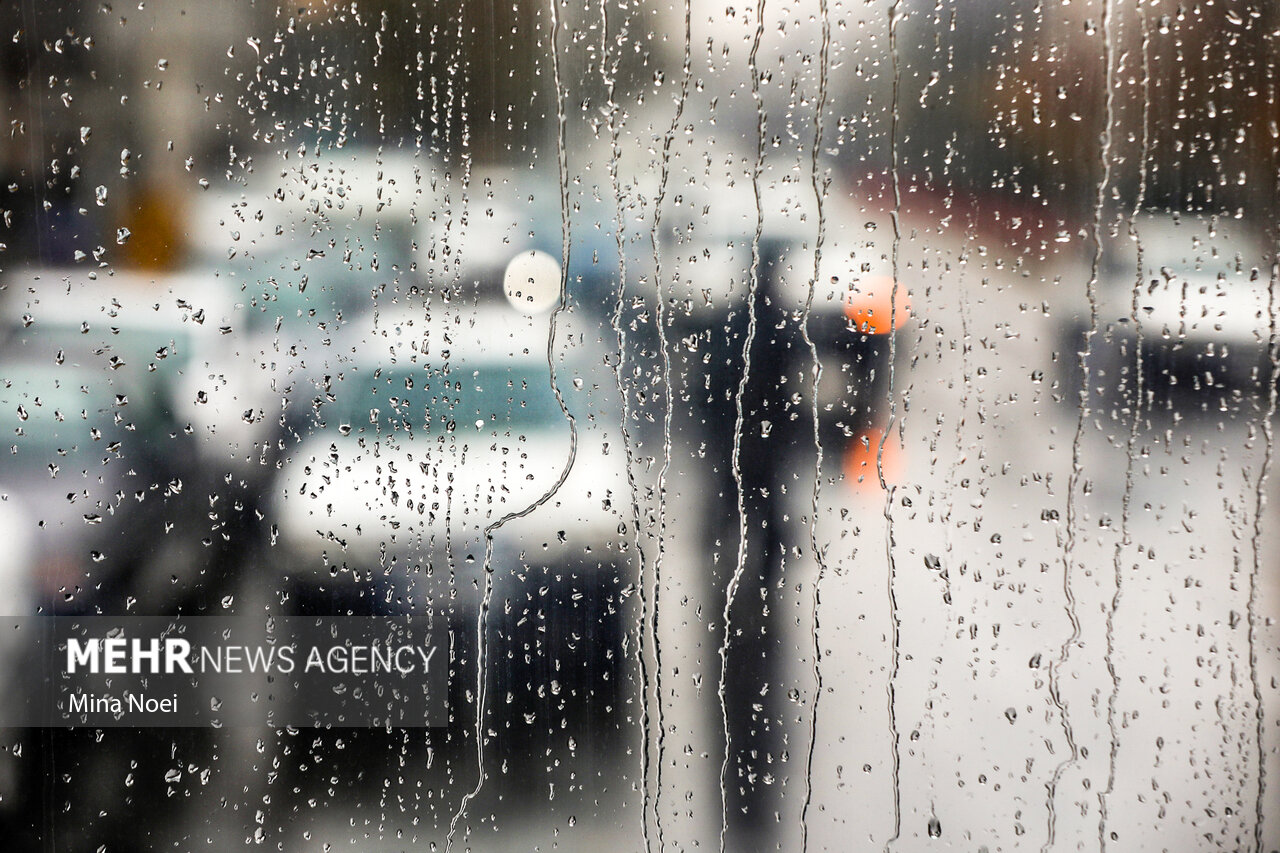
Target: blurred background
{"x":833,"y":426}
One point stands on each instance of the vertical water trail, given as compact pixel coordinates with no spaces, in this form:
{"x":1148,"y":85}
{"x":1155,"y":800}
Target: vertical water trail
{"x":465,"y":145}
{"x":895,"y":740}
{"x":609,"y":74}
{"x":668,"y":403}
{"x":1260,"y":501}
{"x":1255,"y":682}
{"x":953,"y":470}
{"x":819,"y":194}
{"x":967,"y":378}
{"x":482,"y":622}
{"x":753,"y":287}
{"x":455,"y":284}
{"x":1130,"y":444}
{"x":1077,"y":467}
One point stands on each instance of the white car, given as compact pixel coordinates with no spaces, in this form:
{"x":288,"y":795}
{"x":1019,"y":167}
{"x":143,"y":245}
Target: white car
{"x":306,"y":246}
{"x":434,"y":429}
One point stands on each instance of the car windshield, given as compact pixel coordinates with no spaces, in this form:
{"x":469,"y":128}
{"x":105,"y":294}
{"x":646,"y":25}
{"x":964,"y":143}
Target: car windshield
{"x":463,"y":398}
{"x":46,"y":415}
{"x":306,"y":287}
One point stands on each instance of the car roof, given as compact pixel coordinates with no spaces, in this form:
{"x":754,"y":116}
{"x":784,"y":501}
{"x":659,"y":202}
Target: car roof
{"x":337,"y":194}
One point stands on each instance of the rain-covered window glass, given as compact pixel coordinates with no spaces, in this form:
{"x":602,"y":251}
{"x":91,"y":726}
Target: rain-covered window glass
{"x":585,"y":424}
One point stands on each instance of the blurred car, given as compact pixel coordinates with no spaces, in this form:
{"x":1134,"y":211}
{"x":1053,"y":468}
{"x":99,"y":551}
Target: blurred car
{"x":1201,"y":314}
{"x":62,"y":474}
{"x":431,"y":427}
{"x":317,"y":243}
{"x":101,"y":451}
{"x":303,"y":249}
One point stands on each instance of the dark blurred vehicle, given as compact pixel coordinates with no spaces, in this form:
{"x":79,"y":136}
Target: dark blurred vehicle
{"x":1199,"y":289}
{"x":849,"y":307}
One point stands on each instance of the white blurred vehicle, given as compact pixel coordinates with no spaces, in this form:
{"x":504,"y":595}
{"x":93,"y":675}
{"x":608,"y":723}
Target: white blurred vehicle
{"x":308,"y":245}
{"x":439,"y":423}
{"x":312,"y":244}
